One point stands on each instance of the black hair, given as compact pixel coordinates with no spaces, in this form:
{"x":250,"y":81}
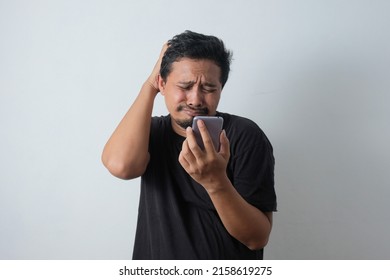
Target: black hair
{"x":196,"y":46}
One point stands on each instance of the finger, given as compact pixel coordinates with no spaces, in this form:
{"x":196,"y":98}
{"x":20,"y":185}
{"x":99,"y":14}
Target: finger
{"x":163,"y":50}
{"x":183,"y":161}
{"x":225,"y":145}
{"x":207,"y":141}
{"x":192,"y":144}
{"x":186,"y":153}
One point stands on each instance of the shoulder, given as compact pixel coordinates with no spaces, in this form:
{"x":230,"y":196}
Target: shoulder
{"x":159,"y":129}
{"x":245,"y":134}
{"x":161,"y":120}
{"x":240,"y":126}
{"x":160,"y":124}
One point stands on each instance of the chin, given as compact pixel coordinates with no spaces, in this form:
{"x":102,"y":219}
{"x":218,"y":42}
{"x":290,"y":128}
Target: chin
{"x":184,"y":123}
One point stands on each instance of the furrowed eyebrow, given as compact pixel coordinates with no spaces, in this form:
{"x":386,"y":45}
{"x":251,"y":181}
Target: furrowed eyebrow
{"x":210,"y":85}
{"x":191,"y":83}
{"x":186,"y":83}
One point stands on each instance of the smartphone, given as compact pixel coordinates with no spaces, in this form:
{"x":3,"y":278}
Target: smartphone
{"x":214,"y":126}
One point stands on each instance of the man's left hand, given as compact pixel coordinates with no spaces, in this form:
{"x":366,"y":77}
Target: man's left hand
{"x":207,"y":167}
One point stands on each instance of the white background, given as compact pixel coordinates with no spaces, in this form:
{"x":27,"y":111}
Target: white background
{"x":314,"y":75}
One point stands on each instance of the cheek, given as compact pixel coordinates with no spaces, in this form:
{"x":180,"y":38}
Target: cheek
{"x":177,"y":96}
{"x":213,"y":100}
{"x":173,"y":99}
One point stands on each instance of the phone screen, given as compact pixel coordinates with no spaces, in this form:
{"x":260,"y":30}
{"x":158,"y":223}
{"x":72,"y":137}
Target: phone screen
{"x":214,"y":126}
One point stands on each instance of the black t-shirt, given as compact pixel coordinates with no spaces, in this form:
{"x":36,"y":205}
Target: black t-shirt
{"x":176,"y":218}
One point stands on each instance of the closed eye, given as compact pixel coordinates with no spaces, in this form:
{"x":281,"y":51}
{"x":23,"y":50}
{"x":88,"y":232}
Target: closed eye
{"x":185,"y":86}
{"x":206,"y":88}
{"x":209,"y":89}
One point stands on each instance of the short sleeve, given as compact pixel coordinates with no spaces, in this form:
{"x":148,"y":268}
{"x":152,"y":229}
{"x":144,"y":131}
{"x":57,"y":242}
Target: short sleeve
{"x":252,"y":166}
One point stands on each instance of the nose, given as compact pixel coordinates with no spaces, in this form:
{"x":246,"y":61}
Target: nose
{"x":195,"y":98}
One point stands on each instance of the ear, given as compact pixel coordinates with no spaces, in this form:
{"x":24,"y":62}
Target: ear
{"x":161,"y":84}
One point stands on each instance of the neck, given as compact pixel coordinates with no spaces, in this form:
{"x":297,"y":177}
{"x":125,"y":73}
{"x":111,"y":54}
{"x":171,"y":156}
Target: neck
{"x":178,"y":129}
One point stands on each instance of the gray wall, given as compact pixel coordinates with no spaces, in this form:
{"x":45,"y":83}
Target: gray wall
{"x":313,"y":74}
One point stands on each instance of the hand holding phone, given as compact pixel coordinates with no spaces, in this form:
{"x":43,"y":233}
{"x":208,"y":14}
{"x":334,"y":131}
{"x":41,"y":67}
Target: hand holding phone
{"x":214,"y":126}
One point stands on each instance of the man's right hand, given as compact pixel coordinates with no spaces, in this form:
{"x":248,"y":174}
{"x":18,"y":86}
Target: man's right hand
{"x":126,"y":153}
{"x":153,"y":78}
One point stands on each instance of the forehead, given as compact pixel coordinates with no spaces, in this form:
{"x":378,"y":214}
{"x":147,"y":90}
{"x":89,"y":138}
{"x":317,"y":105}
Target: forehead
{"x":190,"y":69}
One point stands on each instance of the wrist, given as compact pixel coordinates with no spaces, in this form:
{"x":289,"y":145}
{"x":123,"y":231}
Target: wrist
{"x":150,"y":87}
{"x":218,"y":185}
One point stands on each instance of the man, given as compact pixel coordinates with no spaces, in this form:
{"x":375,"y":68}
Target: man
{"x":195,"y":203}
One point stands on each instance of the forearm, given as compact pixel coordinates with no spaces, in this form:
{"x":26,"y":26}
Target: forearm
{"x":126,"y":153}
{"x":242,"y":220}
